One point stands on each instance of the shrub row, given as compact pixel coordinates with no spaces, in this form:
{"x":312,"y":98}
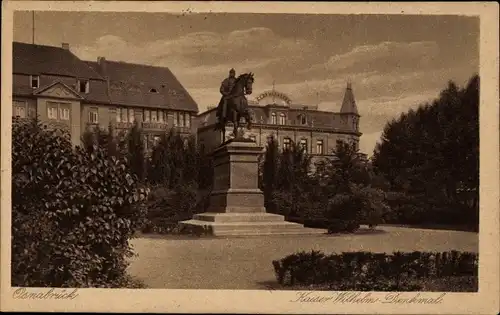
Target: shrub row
{"x":332,"y":225}
{"x":358,"y":270}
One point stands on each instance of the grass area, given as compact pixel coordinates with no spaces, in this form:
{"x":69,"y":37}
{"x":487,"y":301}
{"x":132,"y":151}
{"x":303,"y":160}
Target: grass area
{"x":175,"y":262}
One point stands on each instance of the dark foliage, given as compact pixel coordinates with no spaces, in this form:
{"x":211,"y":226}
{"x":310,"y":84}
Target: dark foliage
{"x":365,"y":271}
{"x":431,"y":156}
{"x":136,"y":155}
{"x":73,"y":212}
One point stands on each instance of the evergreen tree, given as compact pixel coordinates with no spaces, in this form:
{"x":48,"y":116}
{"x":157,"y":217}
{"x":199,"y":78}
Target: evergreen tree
{"x":136,"y":152}
{"x":269,"y":169}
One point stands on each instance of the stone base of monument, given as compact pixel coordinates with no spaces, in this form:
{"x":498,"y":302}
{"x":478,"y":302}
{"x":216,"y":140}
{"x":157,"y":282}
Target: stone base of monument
{"x":236,"y":202}
{"x":247,"y":224}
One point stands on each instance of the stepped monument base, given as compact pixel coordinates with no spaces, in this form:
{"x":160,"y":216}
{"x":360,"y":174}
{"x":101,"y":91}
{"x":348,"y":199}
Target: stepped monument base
{"x":236,"y":203}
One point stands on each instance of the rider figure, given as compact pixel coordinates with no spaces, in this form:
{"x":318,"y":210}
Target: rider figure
{"x":225,"y":89}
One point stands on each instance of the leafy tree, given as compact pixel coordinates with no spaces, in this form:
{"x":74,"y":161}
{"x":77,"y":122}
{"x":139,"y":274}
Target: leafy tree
{"x":432,"y":155}
{"x":73,"y":212}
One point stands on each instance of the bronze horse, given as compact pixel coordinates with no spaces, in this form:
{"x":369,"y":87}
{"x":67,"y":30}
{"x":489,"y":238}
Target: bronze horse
{"x":236,"y":105}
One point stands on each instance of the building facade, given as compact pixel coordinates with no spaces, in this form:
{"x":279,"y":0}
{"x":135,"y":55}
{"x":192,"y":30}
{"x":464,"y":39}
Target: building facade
{"x":72,"y":94}
{"x":274,"y":114}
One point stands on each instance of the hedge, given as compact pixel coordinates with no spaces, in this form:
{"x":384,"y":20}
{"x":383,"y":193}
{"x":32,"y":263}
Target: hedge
{"x":375,"y":271}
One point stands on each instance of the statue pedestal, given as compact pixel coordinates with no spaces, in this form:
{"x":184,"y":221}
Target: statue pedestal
{"x":236,"y":202}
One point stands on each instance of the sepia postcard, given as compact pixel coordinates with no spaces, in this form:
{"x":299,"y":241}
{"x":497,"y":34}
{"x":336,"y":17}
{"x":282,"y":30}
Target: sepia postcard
{"x":250,"y":157}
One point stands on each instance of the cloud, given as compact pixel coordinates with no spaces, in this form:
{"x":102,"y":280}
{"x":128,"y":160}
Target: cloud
{"x":384,"y":56}
{"x":199,"y":48}
{"x":414,"y":52}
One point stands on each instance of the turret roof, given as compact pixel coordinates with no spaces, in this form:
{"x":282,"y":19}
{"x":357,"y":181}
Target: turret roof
{"x":349,"y":103}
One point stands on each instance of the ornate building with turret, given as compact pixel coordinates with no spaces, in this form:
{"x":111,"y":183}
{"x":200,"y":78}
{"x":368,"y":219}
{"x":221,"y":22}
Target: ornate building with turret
{"x":275,"y":114}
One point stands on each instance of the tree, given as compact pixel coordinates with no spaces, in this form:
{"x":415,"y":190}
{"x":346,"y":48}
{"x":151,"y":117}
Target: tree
{"x":174,"y":161}
{"x":431,"y":154}
{"x":136,"y":155}
{"x":174,"y":172}
{"x":292,"y":190}
{"x":269,"y":170}
{"x":104,"y":139}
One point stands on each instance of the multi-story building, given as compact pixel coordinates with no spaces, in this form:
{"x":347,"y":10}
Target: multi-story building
{"x":69,"y":93}
{"x":274,"y":114}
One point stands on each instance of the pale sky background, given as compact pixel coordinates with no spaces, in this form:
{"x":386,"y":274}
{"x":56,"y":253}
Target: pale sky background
{"x":394,"y":62}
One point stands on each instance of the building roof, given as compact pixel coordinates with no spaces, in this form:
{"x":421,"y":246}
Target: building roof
{"x":349,"y":103}
{"x":143,"y":85}
{"x":38,"y":59}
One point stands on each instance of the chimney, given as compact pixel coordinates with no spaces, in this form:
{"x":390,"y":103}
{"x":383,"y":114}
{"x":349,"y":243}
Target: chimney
{"x":101,"y":62}
{"x":65,"y":46}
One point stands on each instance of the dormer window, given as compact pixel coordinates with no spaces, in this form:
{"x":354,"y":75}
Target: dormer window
{"x":83,"y":86}
{"x":35,"y":81}
{"x":153,"y":90}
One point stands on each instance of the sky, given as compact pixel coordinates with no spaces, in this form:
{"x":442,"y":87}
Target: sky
{"x":395,"y":62}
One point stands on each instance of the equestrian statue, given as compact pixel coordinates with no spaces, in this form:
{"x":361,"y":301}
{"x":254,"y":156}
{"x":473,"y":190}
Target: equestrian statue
{"x":234,"y":105}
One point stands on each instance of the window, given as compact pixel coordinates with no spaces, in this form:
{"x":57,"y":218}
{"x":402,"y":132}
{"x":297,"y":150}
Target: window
{"x":93,"y":116}
{"x":154,"y":116}
{"x":83,"y":86}
{"x":19,"y":109}
{"x":180,"y":119}
{"x":302,"y":119}
{"x":118,"y":114}
{"x":176,"y":119}
{"x":273,"y":118}
{"x":124,"y":115}
{"x":319,"y":147}
{"x":286,"y":143}
{"x":35,"y":81}
{"x":147,"y":115}
{"x":64,"y":112}
{"x":156,"y":140}
{"x":282,"y":119}
{"x":131,"y":117}
{"x":303,"y":144}
{"x":187,"y":119}
{"x":161,"y":116}
{"x":52,"y":110}
{"x":153,"y":90}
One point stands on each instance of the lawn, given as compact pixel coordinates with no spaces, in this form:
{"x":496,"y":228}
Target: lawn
{"x":246,"y":262}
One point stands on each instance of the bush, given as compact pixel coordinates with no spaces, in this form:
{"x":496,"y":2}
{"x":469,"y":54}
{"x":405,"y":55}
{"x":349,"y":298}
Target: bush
{"x":73,"y":212}
{"x":372,"y":271}
{"x":166,"y":207}
{"x":342,"y":226}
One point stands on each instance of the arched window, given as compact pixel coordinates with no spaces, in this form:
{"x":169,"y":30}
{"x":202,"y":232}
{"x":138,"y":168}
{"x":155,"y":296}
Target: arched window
{"x":282,"y":119}
{"x":273,"y":118}
{"x":153,"y":90}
